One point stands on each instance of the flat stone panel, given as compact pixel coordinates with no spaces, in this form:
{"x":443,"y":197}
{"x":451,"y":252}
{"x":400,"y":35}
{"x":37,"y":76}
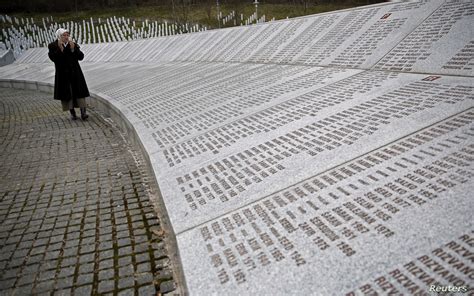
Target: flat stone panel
{"x":45,"y":87}
{"x":31,"y":86}
{"x":218,"y":95}
{"x":33,"y":55}
{"x":331,"y":233}
{"x":104,"y":52}
{"x":251,"y":157}
{"x":359,"y":38}
{"x":443,"y":43}
{"x":5,"y":83}
{"x":18,"y":84}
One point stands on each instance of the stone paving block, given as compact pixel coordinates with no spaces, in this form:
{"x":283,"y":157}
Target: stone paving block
{"x":32,"y":259}
{"x":41,"y":242}
{"x":47,"y":275}
{"x":164,"y":274}
{"x":7,"y":291}
{"x":89,"y":234}
{"x":106,"y":254}
{"x":125,"y":251}
{"x":140,"y":238}
{"x":38,"y":250}
{"x":105,"y":214}
{"x":146,"y":290}
{"x":141,"y":247}
{"x":85,"y":279}
{"x":167,"y":286}
{"x":7,"y":283}
{"x":107,"y":236}
{"x":83,"y":291}
{"x":26,"y":243}
{"x":71,"y":246}
{"x":63,"y":292}
{"x":69,"y":261}
{"x":107,"y":263}
{"x":68,"y":271}
{"x":51,"y":254}
{"x":159,"y":251}
{"x":105,"y":286}
{"x":20,"y":253}
{"x":10,"y":273}
{"x":86,"y":268}
{"x":138,"y":225}
{"x":65,"y":282}
{"x":61,"y":224}
{"x":143,"y":257}
{"x":13,"y":239}
{"x":125,"y":271}
{"x":123,"y":261}
{"x":54,"y":247}
{"x":84,"y":249}
{"x":26,"y":289}
{"x":144,"y":278}
{"x":126,"y":282}
{"x":123,"y":234}
{"x":106,"y":274}
{"x":15,"y":263}
{"x":90,"y":257}
{"x":143,"y":267}
{"x":136,"y":218}
{"x":127,"y":292}
{"x":31,"y":268}
{"x":44,"y":287}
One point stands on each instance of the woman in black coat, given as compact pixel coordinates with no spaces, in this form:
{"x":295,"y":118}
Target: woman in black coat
{"x":69,"y":83}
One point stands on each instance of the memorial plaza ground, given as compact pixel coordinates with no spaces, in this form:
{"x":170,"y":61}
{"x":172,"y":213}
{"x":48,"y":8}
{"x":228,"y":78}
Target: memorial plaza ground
{"x":75,"y":211}
{"x":325,"y":155}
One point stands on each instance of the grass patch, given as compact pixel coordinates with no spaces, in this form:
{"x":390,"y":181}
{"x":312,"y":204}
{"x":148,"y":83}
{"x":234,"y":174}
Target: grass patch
{"x":197,"y":14}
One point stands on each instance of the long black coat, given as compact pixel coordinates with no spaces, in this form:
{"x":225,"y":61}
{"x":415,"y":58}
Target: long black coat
{"x":69,"y":82}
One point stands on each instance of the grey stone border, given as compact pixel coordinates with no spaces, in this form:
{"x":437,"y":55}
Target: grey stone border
{"x":100,"y":102}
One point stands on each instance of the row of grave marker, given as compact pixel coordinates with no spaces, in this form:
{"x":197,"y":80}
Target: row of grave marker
{"x":24,"y":33}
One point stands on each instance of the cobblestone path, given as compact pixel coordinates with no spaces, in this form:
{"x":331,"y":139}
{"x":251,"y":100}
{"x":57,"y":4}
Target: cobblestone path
{"x":75,"y":216}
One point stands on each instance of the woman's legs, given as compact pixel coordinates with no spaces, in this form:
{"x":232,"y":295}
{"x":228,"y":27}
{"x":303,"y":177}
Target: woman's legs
{"x":81,"y":103}
{"x":75,"y":103}
{"x":73,"y":114}
{"x":69,"y":106}
{"x":84,"y":116}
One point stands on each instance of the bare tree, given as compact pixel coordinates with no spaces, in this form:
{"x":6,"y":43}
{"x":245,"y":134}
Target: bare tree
{"x":208,"y":8}
{"x":305,"y":5}
{"x":181,"y":9}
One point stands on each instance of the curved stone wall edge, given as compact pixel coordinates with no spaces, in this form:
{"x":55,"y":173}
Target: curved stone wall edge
{"x":103,"y":103}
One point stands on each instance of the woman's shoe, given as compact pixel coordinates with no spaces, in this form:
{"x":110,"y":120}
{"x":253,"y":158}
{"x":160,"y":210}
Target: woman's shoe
{"x":84,"y":116}
{"x":73,"y":114}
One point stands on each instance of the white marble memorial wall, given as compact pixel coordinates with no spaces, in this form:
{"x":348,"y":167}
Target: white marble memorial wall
{"x":325,"y":155}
